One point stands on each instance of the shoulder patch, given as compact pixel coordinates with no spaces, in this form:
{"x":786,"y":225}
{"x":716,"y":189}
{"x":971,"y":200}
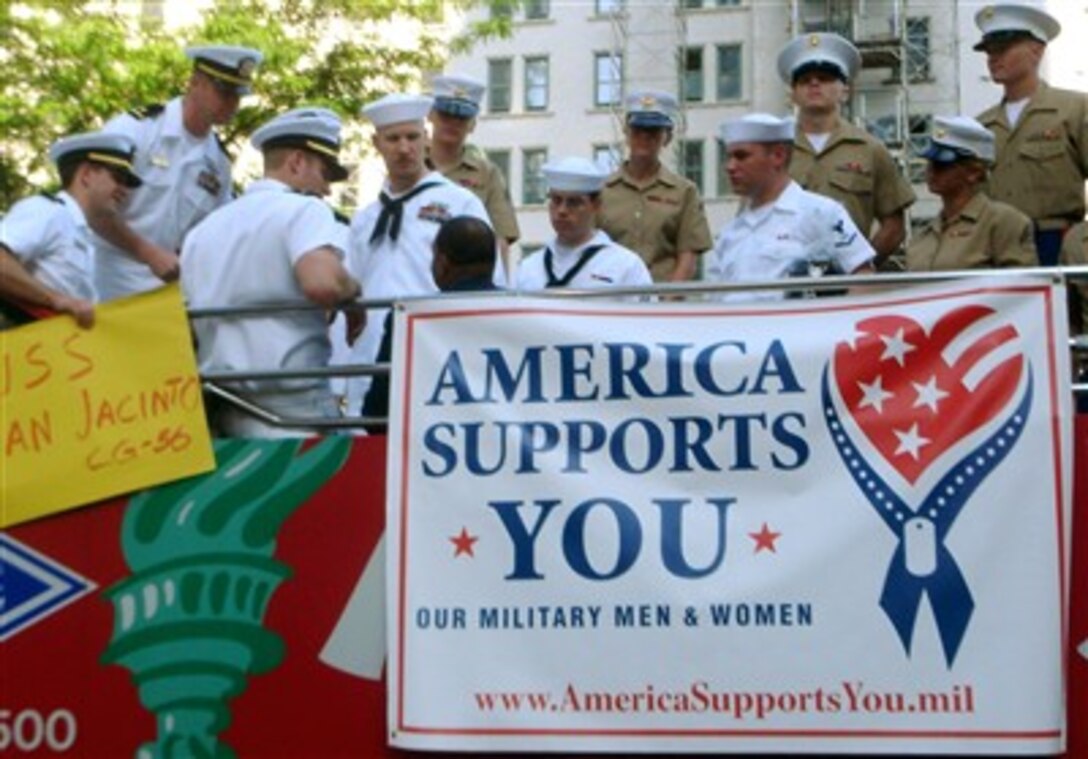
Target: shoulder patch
{"x":147,"y":111}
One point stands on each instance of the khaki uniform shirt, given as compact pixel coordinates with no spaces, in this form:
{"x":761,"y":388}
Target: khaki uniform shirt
{"x":1042,"y":162}
{"x":1075,"y":253}
{"x":656,"y":219}
{"x":984,"y":235}
{"x":481,"y":177}
{"x":854,"y":169}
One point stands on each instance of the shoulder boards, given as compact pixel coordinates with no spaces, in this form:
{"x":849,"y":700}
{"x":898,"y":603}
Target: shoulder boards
{"x":147,"y":111}
{"x":52,"y":197}
{"x":341,"y":217}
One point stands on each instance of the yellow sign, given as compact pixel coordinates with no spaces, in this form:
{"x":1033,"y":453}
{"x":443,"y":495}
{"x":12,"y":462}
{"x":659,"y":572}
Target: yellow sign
{"x":90,"y":413}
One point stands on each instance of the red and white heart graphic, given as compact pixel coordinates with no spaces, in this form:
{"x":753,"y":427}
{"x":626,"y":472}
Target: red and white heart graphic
{"x":916,"y":394}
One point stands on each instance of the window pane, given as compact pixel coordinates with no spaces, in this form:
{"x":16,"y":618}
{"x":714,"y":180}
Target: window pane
{"x":691,"y":161}
{"x":726,"y":3}
{"x":536,"y":84}
{"x":724,"y":187}
{"x":918,"y":49}
{"x":609,"y":78}
{"x":499,"y":80}
{"x":502,"y":9}
{"x":693,"y":3}
{"x":605,"y":7}
{"x":729,"y":72}
{"x":691,"y":76}
{"x":532,"y":184}
{"x":608,"y":157}
{"x":501,"y":160}
{"x":536,"y":8}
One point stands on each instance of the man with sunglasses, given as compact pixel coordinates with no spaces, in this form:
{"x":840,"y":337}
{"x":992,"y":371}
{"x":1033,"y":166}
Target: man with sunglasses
{"x":1041,"y":131}
{"x":972,"y":231}
{"x":277,"y":243}
{"x":580,"y":255}
{"x":46,"y":252}
{"x":648,"y":208}
{"x":186,"y":169}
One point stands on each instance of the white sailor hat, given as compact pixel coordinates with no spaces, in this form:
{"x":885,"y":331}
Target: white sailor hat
{"x":310,"y":128}
{"x":115,"y":151}
{"x":821,"y":51}
{"x":650,"y":109}
{"x":227,"y":63}
{"x":958,"y":137}
{"x":457,"y":95}
{"x":574,"y":175}
{"x":397,"y":108}
{"x":1005,"y":22}
{"x":757,"y":127}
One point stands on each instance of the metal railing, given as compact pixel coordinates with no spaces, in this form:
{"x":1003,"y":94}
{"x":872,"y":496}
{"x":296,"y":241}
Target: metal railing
{"x":214,"y":381}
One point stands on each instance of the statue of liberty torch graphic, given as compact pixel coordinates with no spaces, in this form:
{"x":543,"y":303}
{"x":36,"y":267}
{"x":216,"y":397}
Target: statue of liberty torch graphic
{"x":188,"y":623}
{"x":920,"y":418}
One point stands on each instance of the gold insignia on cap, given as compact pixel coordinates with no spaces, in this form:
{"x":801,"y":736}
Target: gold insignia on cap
{"x":246,"y":66}
{"x":940,"y":132}
{"x":647,"y":101}
{"x":988,"y":12}
{"x":814,"y":41}
{"x":460,"y":92}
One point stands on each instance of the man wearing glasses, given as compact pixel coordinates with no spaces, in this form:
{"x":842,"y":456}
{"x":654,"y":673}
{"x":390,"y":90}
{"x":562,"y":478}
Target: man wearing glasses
{"x":186,"y":171}
{"x":46,"y":253}
{"x":580,"y":255}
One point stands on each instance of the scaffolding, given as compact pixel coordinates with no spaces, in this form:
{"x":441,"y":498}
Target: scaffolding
{"x":648,"y":37}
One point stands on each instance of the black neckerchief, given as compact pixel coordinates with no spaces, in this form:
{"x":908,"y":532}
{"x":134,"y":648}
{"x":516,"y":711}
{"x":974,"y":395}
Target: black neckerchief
{"x":393,"y":210}
{"x":563,"y":281}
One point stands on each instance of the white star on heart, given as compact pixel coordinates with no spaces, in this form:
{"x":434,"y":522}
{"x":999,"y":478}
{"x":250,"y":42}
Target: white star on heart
{"x":874,"y":395}
{"x":910,"y":441}
{"x":895,"y":346}
{"x":929,"y":394}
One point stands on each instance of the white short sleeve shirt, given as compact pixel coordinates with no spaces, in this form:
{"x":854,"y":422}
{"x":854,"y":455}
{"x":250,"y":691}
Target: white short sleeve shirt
{"x":612,"y":265}
{"x":50,"y":237}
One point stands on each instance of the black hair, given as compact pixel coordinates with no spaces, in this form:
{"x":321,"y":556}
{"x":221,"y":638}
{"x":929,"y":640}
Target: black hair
{"x":466,"y":240}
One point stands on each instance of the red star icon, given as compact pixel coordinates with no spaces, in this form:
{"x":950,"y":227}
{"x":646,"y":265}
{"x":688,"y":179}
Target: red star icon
{"x":463,"y":543}
{"x":765,"y":539}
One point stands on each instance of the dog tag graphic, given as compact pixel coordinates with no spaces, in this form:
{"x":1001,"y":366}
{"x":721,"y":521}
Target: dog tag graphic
{"x":920,"y":546}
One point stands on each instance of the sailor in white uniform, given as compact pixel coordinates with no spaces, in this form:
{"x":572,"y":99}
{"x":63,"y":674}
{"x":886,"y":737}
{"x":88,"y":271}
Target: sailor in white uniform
{"x":186,"y":171}
{"x":580,"y":255}
{"x":391,"y":238}
{"x":46,"y":251}
{"x":277,"y":243}
{"x":780,"y":230}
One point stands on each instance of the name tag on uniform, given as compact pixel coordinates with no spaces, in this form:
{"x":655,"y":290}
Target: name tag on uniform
{"x":160,"y":161}
{"x":208,"y":181}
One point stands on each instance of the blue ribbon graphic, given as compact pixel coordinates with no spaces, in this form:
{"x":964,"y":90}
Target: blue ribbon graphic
{"x":914,"y":570}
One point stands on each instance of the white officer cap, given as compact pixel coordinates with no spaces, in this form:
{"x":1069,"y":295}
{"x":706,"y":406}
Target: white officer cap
{"x":651,"y":109}
{"x":397,"y":108}
{"x":822,"y":51}
{"x":574,"y":175}
{"x":112,"y":150}
{"x":457,"y":95}
{"x":227,"y":63}
{"x":757,"y":127}
{"x":310,"y":128}
{"x":1005,"y":22}
{"x":956,"y":137}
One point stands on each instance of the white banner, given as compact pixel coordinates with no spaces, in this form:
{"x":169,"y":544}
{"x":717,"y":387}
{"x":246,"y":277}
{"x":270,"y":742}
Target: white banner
{"x":814,"y":526}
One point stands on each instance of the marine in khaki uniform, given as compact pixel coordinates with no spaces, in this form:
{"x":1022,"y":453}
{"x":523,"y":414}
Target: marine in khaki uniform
{"x":453,"y":117}
{"x":972,"y":231}
{"x":833,"y":157}
{"x":1041,"y":131}
{"x":646,"y":207}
